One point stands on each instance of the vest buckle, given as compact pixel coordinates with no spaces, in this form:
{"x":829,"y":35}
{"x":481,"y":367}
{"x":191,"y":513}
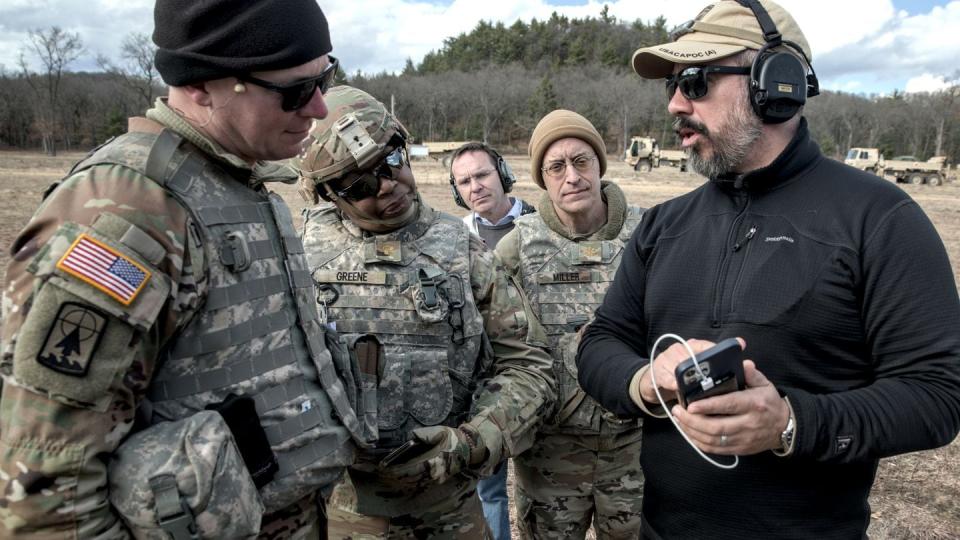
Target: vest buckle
{"x":428,"y":290}
{"x":234,"y":252}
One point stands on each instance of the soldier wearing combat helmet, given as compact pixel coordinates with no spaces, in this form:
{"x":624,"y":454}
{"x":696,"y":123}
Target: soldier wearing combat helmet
{"x":463,"y":383}
{"x":161,"y":283}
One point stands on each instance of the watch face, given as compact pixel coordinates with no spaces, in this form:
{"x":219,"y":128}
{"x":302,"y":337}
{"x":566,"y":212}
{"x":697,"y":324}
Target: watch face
{"x":786,"y":437}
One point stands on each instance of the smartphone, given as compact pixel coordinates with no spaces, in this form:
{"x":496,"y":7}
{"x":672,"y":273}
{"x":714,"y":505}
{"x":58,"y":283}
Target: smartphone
{"x":721,"y":364}
{"x":405,"y":452}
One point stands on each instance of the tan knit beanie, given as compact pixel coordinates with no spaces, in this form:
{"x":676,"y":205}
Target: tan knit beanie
{"x":557,"y":125}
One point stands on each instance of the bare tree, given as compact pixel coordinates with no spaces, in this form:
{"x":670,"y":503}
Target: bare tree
{"x":55,"y":49}
{"x":136,"y":71}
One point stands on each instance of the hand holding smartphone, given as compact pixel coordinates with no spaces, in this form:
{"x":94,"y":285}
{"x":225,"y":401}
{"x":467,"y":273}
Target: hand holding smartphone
{"x":721,"y":372}
{"x":405,"y":452}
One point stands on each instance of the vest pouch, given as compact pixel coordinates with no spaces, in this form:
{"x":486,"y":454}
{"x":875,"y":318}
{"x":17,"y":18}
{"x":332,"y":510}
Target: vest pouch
{"x":576,"y":411}
{"x":186,"y":475}
{"x":358,"y":359}
{"x":428,"y":396}
{"x":569,"y":396}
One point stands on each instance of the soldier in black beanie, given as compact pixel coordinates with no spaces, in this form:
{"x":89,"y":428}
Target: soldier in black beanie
{"x":245,"y":72}
{"x":171,"y":292}
{"x":205,"y":40}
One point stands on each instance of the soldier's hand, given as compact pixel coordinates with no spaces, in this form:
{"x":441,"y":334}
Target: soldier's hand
{"x":453,"y":450}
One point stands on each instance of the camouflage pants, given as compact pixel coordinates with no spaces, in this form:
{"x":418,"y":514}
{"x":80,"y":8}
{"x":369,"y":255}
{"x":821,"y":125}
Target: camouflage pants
{"x":300,"y":521}
{"x":565,"y":481}
{"x":458,"y":518}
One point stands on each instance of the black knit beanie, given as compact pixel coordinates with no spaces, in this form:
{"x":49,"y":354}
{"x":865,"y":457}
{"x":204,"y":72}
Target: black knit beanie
{"x":204,"y":40}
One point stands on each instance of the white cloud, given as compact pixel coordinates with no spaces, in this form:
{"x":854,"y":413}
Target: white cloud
{"x":851,"y":86}
{"x":927,"y":83}
{"x":866,"y":40}
{"x":903,"y":48}
{"x":101,"y":24}
{"x":411,"y":29}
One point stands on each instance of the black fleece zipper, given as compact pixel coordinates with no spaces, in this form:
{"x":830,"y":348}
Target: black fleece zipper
{"x":729,"y":247}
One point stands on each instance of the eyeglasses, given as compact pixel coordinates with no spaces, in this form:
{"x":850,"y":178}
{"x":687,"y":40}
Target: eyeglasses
{"x":368,"y":183}
{"x":556,"y":169}
{"x":692,"y":80}
{"x":297,"y":94}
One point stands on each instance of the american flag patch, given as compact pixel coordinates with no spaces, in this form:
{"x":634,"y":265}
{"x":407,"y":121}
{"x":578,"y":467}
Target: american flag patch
{"x":100,"y":266}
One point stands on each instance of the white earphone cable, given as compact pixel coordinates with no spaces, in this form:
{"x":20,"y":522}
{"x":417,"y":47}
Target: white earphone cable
{"x":653,"y":377}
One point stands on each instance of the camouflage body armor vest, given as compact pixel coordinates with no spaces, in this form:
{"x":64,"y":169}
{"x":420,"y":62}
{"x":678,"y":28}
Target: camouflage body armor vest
{"x":566,"y":282}
{"x":411,"y":289}
{"x":258,"y":332}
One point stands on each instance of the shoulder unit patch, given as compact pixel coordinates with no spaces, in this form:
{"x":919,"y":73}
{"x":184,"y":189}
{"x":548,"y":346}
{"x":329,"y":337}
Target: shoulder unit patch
{"x":103,"y":267}
{"x":72,"y":339}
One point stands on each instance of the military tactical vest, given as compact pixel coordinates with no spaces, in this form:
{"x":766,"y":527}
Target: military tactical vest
{"x":566,"y":282}
{"x":258,"y":332}
{"x":411,"y":288}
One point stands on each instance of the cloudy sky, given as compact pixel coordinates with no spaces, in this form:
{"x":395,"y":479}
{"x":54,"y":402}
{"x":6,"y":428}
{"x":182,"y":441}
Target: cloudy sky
{"x":863,"y":46}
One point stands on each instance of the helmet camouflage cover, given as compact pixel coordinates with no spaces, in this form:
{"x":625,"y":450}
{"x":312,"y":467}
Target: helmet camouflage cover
{"x":354,"y":135}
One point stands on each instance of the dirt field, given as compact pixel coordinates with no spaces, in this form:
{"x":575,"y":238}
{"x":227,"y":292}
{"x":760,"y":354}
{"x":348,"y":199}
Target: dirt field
{"x":915,"y":496}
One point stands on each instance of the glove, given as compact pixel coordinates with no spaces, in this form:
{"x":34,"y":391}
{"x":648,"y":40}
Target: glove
{"x":454,"y":450}
{"x":448,"y":451}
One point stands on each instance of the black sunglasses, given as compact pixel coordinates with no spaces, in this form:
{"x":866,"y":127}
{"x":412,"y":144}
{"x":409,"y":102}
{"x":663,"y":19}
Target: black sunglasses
{"x":692,"y":80}
{"x":368,"y":183}
{"x":297,"y":94}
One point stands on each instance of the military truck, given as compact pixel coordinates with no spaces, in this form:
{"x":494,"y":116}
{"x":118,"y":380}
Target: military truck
{"x":674,"y":158}
{"x":441,"y":151}
{"x":643,"y":154}
{"x":932,"y":172}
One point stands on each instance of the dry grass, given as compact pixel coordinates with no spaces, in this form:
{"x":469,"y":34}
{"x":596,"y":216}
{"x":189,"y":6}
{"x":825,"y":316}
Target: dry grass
{"x":916,"y":495}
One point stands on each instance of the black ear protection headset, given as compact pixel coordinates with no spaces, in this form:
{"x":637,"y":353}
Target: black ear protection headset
{"x":507,"y":178}
{"x":779,"y":82}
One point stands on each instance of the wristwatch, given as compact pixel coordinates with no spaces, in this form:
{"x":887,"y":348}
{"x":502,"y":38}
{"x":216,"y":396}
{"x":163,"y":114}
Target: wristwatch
{"x":786,"y":436}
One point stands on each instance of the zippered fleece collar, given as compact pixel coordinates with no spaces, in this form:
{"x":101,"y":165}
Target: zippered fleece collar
{"x":800,"y":155}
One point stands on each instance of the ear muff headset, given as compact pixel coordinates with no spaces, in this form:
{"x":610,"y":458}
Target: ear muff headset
{"x":507,"y":178}
{"x":779,"y":82}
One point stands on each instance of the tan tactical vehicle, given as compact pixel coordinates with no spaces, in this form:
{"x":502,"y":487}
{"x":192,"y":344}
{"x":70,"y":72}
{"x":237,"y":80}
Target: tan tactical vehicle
{"x":441,"y":151}
{"x":904,"y":169}
{"x":643,"y":154}
{"x":674,"y":158}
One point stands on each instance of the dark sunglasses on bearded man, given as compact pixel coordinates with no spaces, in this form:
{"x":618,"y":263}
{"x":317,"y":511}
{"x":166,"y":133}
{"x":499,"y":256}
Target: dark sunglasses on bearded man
{"x":692,"y":80}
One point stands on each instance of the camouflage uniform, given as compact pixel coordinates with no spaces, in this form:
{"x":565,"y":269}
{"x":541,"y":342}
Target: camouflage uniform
{"x":460,"y":349}
{"x":214,"y":301}
{"x":585,"y":463}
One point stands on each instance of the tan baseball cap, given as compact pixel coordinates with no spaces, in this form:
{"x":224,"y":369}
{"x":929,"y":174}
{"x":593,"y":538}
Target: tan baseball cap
{"x":721,"y":29}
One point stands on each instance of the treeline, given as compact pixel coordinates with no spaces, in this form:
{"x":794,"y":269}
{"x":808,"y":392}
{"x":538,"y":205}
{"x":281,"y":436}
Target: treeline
{"x":493,"y":83}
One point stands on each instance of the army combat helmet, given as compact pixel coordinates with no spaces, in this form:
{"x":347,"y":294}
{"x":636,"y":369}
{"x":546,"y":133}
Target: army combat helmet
{"x":356,"y":134}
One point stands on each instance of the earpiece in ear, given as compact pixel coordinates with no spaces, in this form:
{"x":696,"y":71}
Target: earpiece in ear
{"x":239,"y":88}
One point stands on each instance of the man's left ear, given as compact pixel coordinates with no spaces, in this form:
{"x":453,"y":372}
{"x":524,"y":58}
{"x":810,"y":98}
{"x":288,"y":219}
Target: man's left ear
{"x":199,"y":94}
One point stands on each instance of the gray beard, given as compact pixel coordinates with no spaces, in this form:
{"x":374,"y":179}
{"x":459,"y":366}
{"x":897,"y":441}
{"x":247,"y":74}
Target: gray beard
{"x":730,"y":144}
